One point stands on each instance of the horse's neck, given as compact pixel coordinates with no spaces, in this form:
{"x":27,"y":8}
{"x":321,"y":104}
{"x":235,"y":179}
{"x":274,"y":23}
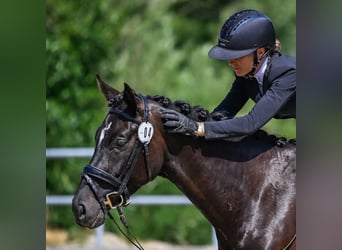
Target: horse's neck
{"x":206,"y":166}
{"x":218,"y":176}
{"x":205,"y":180}
{"x":200,"y":175}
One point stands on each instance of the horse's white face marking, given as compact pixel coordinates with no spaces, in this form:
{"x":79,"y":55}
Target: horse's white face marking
{"x":103,"y":131}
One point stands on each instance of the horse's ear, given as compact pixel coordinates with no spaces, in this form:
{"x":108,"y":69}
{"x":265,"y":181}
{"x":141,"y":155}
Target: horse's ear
{"x":107,"y":90}
{"x":129,"y":98}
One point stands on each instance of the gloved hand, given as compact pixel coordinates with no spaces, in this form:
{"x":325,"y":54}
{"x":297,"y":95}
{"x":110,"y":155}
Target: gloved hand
{"x":175,"y":122}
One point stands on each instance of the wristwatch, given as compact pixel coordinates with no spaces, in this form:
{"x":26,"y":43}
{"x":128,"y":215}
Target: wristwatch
{"x":200,"y":130}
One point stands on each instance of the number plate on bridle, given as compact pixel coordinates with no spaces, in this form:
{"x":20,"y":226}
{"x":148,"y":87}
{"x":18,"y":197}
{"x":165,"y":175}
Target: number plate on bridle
{"x":145,"y":132}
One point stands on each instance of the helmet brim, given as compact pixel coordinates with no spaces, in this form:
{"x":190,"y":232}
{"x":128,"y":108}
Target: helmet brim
{"x":220,"y":53}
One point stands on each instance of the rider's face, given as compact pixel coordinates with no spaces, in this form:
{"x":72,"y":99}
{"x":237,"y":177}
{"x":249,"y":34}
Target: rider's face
{"x":243,"y":65}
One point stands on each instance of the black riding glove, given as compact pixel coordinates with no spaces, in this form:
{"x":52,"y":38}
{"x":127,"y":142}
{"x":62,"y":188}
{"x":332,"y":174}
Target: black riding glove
{"x":175,"y":122}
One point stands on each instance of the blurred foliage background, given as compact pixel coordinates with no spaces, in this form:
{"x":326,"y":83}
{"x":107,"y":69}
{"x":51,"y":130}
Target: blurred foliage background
{"x":158,"y":47}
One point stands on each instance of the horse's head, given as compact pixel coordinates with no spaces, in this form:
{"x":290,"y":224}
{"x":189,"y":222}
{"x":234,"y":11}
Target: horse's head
{"x":129,"y":153}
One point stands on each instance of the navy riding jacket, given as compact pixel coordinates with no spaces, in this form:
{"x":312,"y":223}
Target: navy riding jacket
{"x":276,"y":100}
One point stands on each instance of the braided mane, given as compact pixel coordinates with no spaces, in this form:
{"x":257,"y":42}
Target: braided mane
{"x":200,"y":114}
{"x":196,"y":113}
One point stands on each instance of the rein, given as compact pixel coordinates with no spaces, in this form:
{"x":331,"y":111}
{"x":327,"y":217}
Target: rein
{"x":119,"y":184}
{"x":290,"y":243}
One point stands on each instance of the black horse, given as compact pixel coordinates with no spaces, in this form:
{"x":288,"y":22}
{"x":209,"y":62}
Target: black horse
{"x":244,"y":187}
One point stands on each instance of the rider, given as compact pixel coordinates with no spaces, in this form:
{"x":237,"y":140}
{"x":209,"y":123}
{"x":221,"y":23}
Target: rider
{"x":247,"y":41}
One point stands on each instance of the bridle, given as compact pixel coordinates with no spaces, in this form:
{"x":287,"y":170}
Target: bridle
{"x":119,"y":184}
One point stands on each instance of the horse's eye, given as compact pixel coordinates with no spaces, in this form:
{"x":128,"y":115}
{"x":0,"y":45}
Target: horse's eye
{"x":119,"y":142}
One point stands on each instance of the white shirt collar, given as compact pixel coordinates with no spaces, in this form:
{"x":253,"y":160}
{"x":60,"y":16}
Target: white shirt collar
{"x":260,"y":74}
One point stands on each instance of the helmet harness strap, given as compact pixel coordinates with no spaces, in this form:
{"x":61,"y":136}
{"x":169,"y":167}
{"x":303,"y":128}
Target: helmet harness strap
{"x":256,"y":62}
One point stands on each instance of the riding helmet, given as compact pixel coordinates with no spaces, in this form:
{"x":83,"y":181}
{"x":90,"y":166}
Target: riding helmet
{"x":242,"y":33}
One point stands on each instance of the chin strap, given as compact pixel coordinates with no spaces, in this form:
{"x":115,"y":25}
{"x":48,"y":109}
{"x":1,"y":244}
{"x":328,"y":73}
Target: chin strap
{"x":256,"y":62}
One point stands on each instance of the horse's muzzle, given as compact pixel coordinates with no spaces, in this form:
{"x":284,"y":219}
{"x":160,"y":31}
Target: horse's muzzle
{"x":88,"y":214}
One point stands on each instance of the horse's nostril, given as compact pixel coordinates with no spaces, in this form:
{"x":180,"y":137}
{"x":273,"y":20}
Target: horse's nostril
{"x":81,"y":211}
